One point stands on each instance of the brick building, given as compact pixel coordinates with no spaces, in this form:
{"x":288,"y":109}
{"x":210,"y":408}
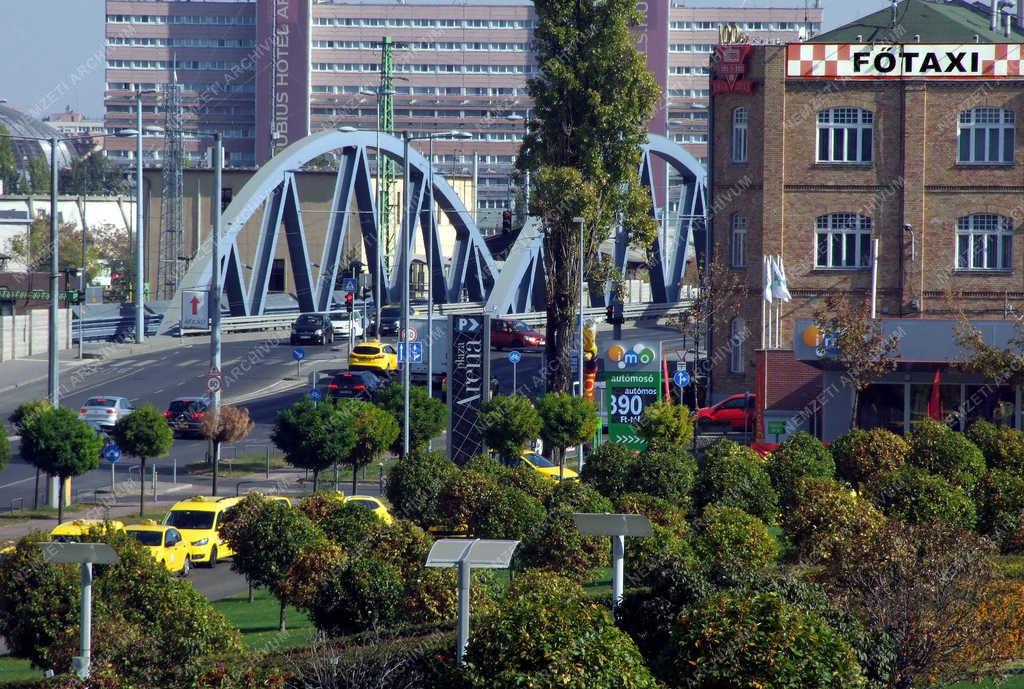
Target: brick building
{"x":901,"y":128}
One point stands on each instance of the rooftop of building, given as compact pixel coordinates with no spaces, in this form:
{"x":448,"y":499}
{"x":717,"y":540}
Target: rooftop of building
{"x":924,"y":21}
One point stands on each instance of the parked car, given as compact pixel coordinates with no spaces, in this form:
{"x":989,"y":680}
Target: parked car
{"x":542,"y":465}
{"x":374,"y":356}
{"x":103,"y":411}
{"x":312,"y":327}
{"x":340,"y":323}
{"x":185,"y":414}
{"x":390,"y":321}
{"x":199,"y":520}
{"x":375,"y":505}
{"x":734,"y":413}
{"x":84,"y":530}
{"x":165,"y":544}
{"x":360,"y":385}
{"x":507,"y":334}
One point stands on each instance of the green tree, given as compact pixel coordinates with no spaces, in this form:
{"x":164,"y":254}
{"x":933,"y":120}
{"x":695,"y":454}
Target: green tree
{"x":375,"y":430}
{"x":664,"y":471}
{"x":39,"y":171}
{"x":55,"y":441}
{"x":734,"y":475}
{"x":428,"y":416}
{"x":8,"y":164}
{"x":268,"y":542}
{"x":509,"y":423}
{"x":666,"y":423}
{"x":591,"y":103}
{"x":565,"y":421}
{"x":229,"y":425}
{"x":314,"y":437}
{"x":937,"y":448}
{"x":92,"y":175}
{"x":414,"y":486}
{"x":799,"y":455}
{"x":607,"y":469}
{"x":727,"y":539}
{"x":914,"y":495}
{"x":825,"y":514}
{"x":144,"y":433}
{"x":19,"y":418}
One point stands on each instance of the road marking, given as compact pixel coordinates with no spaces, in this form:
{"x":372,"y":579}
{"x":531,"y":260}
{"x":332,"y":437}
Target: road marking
{"x":15,"y":483}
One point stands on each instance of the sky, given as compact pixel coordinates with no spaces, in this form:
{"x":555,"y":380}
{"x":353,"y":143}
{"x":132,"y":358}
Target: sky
{"x":69,"y":71}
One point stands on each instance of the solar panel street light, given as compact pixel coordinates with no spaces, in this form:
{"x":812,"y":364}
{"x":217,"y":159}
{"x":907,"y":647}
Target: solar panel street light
{"x":617,"y":526}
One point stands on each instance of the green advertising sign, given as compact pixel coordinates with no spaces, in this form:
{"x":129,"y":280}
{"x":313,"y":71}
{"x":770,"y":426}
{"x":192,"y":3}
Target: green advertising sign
{"x":626,"y":397}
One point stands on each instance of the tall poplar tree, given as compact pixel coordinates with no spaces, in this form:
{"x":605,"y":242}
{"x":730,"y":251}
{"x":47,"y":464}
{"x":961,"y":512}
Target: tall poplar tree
{"x":591,"y":105}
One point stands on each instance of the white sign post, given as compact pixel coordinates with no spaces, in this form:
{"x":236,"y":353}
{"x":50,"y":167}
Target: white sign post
{"x":618,"y":526}
{"x":195,"y":311}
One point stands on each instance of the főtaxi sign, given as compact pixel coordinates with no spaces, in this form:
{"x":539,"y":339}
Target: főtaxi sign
{"x":904,"y":61}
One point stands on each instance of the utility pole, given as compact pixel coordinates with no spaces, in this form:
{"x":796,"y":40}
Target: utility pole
{"x":215,"y":288}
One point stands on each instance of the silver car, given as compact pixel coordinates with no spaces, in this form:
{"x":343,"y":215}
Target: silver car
{"x":103,"y":411}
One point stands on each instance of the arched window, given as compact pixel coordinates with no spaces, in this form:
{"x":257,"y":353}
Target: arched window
{"x":737,"y":338}
{"x":984,"y":242}
{"x":738,"y":241}
{"x":985,"y":135}
{"x":845,"y":135}
{"x":843,"y":240}
{"x":739,"y":135}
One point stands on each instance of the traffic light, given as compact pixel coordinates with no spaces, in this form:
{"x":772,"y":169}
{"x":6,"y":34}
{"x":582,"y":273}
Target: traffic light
{"x":614,"y":313}
{"x":506,"y":221}
{"x":349,"y":302}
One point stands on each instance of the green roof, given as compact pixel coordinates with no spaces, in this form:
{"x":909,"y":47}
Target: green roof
{"x":934,"y":21}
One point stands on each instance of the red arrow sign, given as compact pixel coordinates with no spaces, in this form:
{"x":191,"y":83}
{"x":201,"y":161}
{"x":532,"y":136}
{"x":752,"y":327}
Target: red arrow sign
{"x":195,"y":306}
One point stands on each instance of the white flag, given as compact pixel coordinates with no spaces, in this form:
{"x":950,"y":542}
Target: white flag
{"x":767,"y":279}
{"x":780,"y":290}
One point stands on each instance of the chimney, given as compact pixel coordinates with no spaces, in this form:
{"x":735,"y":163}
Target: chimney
{"x":1009,"y":19}
{"x":994,"y":24}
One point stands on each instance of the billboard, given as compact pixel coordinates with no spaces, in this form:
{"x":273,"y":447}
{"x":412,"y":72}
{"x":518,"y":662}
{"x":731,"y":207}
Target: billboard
{"x":627,"y":395}
{"x":904,"y":61}
{"x":469,"y":375}
{"x":282,"y":74}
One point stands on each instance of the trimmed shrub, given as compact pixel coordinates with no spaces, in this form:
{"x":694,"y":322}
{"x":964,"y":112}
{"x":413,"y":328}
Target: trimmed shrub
{"x":607,"y":469}
{"x":1000,"y":499}
{"x":664,"y":471}
{"x":649,"y":555}
{"x":670,"y":424}
{"x":506,"y":512}
{"x":317,"y":506}
{"x":951,"y":455}
{"x":658,"y":510}
{"x":726,"y":539}
{"x":508,"y":423}
{"x":358,"y":594}
{"x":861,"y":456}
{"x":734,"y":475}
{"x":350,"y":526}
{"x":579,"y":497}
{"x":825,"y":514}
{"x":414,"y":486}
{"x":799,"y":455}
{"x":556,"y":545}
{"x":916,"y":496}
{"x":460,"y":497}
{"x":1002,"y":446}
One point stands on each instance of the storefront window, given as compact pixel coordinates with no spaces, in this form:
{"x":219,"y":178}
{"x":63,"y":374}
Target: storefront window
{"x":995,"y":404}
{"x":949,"y":403}
{"x":881,"y":406}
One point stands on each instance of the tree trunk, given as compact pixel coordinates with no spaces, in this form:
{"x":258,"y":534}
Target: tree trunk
{"x":142,"y":487}
{"x":60,"y":499}
{"x":560,"y":455}
{"x":35,"y":498}
{"x":216,"y":465}
{"x":281,"y":625}
{"x":316,"y":479}
{"x":355,"y":477}
{"x":563,"y":286}
{"x":251,"y":599}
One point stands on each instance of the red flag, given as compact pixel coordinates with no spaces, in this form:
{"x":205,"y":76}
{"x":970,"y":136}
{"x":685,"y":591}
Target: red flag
{"x":935,"y":400}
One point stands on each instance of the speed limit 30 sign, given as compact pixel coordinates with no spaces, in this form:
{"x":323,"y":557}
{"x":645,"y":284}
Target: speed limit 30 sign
{"x":627,"y":395}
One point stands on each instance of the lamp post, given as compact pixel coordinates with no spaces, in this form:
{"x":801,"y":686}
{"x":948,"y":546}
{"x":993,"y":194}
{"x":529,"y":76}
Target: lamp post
{"x":516,"y":117}
{"x":579,"y":340}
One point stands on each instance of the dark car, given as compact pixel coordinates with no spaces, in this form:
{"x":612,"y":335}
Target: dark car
{"x":391,"y":320}
{"x":360,"y":385}
{"x":312,"y":327}
{"x":185,"y":414}
{"x":507,"y":334}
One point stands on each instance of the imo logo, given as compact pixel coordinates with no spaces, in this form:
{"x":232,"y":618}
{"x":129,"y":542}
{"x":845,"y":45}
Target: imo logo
{"x":639,"y":355}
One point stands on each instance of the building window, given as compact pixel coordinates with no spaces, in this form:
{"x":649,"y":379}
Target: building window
{"x":738,"y":246}
{"x":737,"y":337}
{"x":984,"y":242}
{"x":843,"y":240}
{"x":739,"y":135}
{"x":845,"y":135}
{"x":985,"y":135}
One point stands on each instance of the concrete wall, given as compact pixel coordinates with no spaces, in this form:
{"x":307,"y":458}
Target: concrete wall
{"x":28,"y":334}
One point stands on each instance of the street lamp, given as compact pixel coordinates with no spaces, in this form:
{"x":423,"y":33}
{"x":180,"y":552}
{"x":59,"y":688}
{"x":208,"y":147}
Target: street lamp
{"x":516,"y":117}
{"x":579,"y":341}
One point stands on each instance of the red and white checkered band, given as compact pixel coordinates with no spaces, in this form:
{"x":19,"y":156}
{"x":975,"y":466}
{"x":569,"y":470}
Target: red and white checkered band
{"x":835,"y":61}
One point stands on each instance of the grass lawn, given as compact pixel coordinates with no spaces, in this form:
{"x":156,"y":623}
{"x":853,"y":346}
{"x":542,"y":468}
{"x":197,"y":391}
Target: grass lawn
{"x":235,"y":467}
{"x":258,"y":621}
{"x":17,"y":670}
{"x":18,"y":516}
{"x":1012,"y":682}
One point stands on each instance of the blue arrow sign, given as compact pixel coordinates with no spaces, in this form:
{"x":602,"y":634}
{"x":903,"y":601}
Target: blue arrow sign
{"x":316,"y":395}
{"x":415,"y":352}
{"x":681,"y":378}
{"x":514,"y":357}
{"x":111,"y":452}
{"x":298,"y":353}
{"x":349,"y":285}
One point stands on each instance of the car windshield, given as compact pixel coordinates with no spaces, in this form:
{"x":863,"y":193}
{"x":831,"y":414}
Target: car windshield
{"x":182,"y":406}
{"x":308,"y":319}
{"x":538,"y":461}
{"x":190,"y":519}
{"x":350,"y":380}
{"x":100,"y":402}
{"x":390,"y":312}
{"x":366,"y":349}
{"x":368,"y":504}
{"x":150,"y":538}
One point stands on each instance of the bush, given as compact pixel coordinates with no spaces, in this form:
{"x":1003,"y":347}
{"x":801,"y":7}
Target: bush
{"x":557,"y":545}
{"x":734,"y":475}
{"x":1000,"y":498}
{"x":508,"y":423}
{"x":951,"y":455}
{"x":916,"y":496}
{"x":428,"y":416}
{"x":663,"y":471}
{"x":506,"y":512}
{"x":861,"y":456}
{"x":1002,"y":446}
{"x":358,"y":594}
{"x":825,"y":514}
{"x":317,"y":506}
{"x":579,"y":497}
{"x":666,"y":423}
{"x":607,"y":469}
{"x":799,"y":455}
{"x":727,"y":539}
{"x":649,"y":555}
{"x":414,"y":486}
{"x":736,"y":640}
{"x":658,"y":510}
{"x":544,"y":635}
{"x":350,"y":526}
{"x":460,"y":497}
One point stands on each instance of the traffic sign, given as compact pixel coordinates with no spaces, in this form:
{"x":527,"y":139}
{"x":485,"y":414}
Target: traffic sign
{"x":316,"y":395}
{"x":408,"y":335}
{"x":298,"y":353}
{"x":415,"y":352}
{"x":194,"y":309}
{"x":681,"y":378}
{"x":214,"y":383}
{"x":627,"y":395}
{"x":349,"y":285}
{"x":514,"y":357}
{"x":111,"y":452}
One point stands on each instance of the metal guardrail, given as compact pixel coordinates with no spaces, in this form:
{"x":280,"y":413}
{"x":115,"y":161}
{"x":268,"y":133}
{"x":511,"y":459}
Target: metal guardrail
{"x":20,"y":502}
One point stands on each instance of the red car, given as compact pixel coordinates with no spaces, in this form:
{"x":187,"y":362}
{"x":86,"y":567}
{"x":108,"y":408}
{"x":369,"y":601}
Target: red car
{"x":735,"y":413}
{"x":514,"y":335}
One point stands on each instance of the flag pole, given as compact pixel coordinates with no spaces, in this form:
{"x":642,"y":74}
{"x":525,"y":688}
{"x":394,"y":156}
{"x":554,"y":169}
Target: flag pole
{"x":764,"y":270}
{"x":778,"y":311}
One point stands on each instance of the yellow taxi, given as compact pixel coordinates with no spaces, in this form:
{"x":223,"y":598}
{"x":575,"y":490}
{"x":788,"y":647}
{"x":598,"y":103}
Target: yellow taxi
{"x":375,"y":505}
{"x":199,"y":519}
{"x":8,"y":547}
{"x":80,"y":530}
{"x":542,"y":465}
{"x":165,"y":544}
{"x":373,"y":355}
{"x":271,"y":498}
